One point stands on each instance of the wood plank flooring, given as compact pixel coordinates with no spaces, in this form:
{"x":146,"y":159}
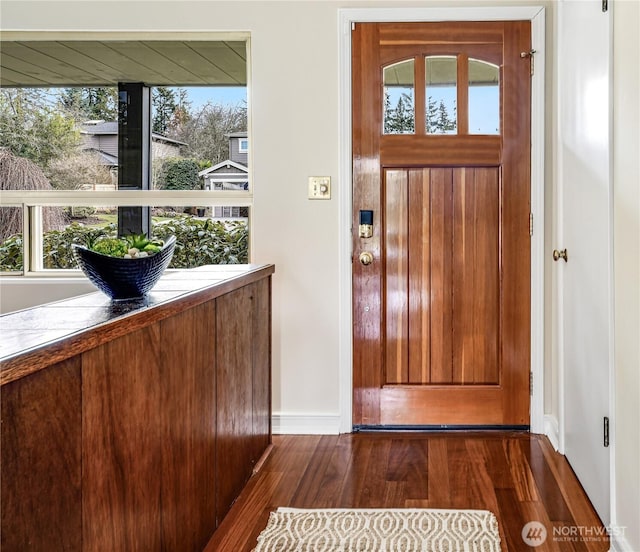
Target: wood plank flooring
{"x":517,"y":476}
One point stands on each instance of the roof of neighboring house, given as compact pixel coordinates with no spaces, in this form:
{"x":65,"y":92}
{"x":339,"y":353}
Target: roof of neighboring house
{"x":242,"y":134}
{"x":224,"y":164}
{"x":105,"y":158}
{"x":99,"y":127}
{"x":111,"y":127}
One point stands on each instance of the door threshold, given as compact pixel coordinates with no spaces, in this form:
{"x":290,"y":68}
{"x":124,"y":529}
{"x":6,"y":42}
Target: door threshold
{"x":439,"y":427}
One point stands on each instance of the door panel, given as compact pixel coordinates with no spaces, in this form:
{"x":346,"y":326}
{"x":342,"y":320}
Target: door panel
{"x":476,"y":293}
{"x":442,"y":315}
{"x":585,"y":231}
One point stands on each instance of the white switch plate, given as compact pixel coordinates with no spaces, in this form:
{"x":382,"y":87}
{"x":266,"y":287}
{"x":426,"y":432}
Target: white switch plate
{"x":319,"y":187}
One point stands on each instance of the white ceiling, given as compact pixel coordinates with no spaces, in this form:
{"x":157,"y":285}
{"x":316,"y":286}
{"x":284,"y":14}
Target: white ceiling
{"x":105,"y":63}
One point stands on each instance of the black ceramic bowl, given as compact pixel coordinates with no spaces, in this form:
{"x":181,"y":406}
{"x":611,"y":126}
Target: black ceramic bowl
{"x":124,"y":278}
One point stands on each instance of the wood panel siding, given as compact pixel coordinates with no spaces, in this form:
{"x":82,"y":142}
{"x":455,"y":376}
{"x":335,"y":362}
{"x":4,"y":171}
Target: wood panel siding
{"x":234,"y":360}
{"x":235,"y":154}
{"x":188,"y":344}
{"x":41,"y":497}
{"x":476,"y":276}
{"x":149,"y":452}
{"x":144,"y":437}
{"x":261,"y":349}
{"x":121,"y":454}
{"x":244,"y":389}
{"x":442,"y":286}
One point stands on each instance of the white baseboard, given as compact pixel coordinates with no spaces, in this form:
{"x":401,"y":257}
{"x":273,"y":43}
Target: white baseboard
{"x":305,"y":424}
{"x":620,"y":544}
{"x":552,"y":430}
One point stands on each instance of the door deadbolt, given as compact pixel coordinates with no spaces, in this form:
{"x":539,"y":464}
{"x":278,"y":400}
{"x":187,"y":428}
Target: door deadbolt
{"x":365,"y":230}
{"x":557,"y":255}
{"x":366,"y":258}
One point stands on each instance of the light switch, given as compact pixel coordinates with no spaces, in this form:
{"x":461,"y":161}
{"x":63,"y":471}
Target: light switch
{"x":319,"y":187}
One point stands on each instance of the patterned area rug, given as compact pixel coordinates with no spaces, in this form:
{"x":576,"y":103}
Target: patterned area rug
{"x":397,"y":530}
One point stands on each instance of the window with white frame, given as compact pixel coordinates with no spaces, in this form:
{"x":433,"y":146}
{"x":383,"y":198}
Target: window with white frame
{"x":243,"y":145}
{"x":71,"y":195}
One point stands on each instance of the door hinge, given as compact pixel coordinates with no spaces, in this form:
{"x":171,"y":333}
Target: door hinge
{"x":605,"y":5}
{"x":530,"y":224}
{"x":531,"y":384}
{"x":353,"y":25}
{"x":605,"y":429}
{"x":529,"y":55}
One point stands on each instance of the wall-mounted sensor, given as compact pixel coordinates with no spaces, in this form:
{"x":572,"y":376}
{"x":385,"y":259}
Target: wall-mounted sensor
{"x":365,"y":229}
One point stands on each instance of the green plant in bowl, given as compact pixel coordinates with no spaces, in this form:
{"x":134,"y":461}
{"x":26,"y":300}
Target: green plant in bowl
{"x":133,"y":246}
{"x":113,"y":247}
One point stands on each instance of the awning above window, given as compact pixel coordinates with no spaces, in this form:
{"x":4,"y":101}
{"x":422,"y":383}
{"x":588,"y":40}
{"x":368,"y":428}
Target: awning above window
{"x":51,"y":63}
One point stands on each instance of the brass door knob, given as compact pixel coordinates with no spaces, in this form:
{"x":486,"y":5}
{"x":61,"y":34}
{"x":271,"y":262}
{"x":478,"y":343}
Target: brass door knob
{"x":557,"y":255}
{"x":366,"y":258}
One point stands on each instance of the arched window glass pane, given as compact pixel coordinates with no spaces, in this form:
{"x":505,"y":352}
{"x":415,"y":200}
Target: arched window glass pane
{"x":441,"y":94}
{"x":398,"y":115}
{"x":484,"y":97}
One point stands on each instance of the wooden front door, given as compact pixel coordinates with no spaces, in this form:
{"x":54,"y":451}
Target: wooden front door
{"x":441,"y":162}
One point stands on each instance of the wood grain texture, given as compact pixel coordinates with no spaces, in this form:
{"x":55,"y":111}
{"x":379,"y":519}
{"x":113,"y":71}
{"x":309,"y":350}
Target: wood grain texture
{"x":462,"y":92}
{"x":419,"y":276}
{"x":188,"y":444}
{"x":417,"y":470}
{"x":453,"y":220}
{"x":41,"y":498}
{"x":447,"y":33}
{"x":367,"y":280}
{"x":476,"y":276}
{"x":402,"y":150}
{"x":441,"y":299}
{"x":396,"y":276}
{"x":122,"y":443}
{"x":116,"y":448}
{"x":261,"y":351}
{"x":184,"y":289}
{"x":234,"y":374}
{"x":516,"y":243}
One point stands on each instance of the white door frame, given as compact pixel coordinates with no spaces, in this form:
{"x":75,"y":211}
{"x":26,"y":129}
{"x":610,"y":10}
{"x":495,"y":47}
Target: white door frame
{"x":346,"y":17}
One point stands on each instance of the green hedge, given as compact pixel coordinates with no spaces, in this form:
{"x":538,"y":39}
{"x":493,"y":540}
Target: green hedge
{"x":198,"y":242}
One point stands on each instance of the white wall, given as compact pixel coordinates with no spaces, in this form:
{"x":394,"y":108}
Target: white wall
{"x":22,"y":293}
{"x":295,"y":104}
{"x":626,"y":189}
{"x":294,"y":97}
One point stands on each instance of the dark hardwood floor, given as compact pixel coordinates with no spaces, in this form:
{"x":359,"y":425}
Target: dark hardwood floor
{"x":517,"y":476}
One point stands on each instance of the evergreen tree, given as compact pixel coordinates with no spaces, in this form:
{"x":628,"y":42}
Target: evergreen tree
{"x":182,"y":113}
{"x":432,"y":115}
{"x":387,"y":124}
{"x":399,"y":120}
{"x":164,"y":106}
{"x":178,"y":174}
{"x":444,"y":123}
{"x":439,"y":121}
{"x":97,"y":103}
{"x":405,"y":114}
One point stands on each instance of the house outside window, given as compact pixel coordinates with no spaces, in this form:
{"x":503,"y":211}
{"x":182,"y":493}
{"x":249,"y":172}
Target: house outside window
{"x":30,"y":250}
{"x":230,"y":175}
